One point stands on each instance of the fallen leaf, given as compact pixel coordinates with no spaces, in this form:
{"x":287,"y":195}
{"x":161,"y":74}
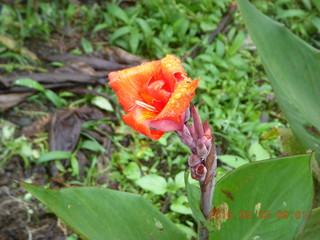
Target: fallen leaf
{"x":11,"y":99}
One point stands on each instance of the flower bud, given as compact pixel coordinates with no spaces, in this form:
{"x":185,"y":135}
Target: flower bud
{"x":201,"y":170}
{"x":192,"y":132}
{"x":194,"y":160}
{"x":186,"y":138}
{"x":197,"y":123}
{"x":202,"y":150}
{"x":207,"y":130}
{"x":207,"y":142}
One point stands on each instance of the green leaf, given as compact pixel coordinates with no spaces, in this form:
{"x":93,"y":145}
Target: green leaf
{"x":92,"y":146}
{"x":134,"y":40}
{"x":153,"y":183}
{"x":145,"y":27}
{"x":54,"y":155}
{"x":30,"y":83}
{"x":179,"y":205}
{"x":292,"y":66}
{"x":117,"y":12}
{"x":54,"y":98}
{"x":179,"y":180}
{"x":86,"y":45}
{"x":102,"y":103}
{"x":232,"y":160}
{"x":98,"y":214}
{"x":132,"y":171}
{"x":312,"y":229}
{"x":119,"y":33}
{"x":258,"y":197}
{"x":193,"y":194}
{"x":237,"y":43}
{"x":74,"y":166}
{"x":257,"y":152}
{"x":100,"y":27}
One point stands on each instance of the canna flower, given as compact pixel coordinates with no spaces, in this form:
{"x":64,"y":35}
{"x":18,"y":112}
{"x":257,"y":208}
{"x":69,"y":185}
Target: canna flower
{"x":156,"y":95}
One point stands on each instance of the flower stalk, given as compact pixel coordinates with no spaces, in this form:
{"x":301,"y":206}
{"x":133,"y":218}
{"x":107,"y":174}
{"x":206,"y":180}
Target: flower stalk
{"x":207,"y":189}
{"x":202,"y":162}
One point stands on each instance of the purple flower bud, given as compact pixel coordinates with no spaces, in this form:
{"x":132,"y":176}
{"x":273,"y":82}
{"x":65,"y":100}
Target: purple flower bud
{"x":194,"y":175}
{"x":197,"y":123}
{"x":194,"y":160}
{"x":201,"y":170}
{"x":207,"y":142}
{"x":192,"y":132}
{"x":202,"y":150}
{"x":207,"y":130}
{"x":186,"y":138}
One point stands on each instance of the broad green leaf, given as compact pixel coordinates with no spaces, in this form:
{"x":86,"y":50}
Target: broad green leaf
{"x":233,"y":161}
{"x":98,"y":214}
{"x":153,"y":183}
{"x":30,"y":83}
{"x":263,"y":199}
{"x":293,"y":69}
{"x":54,"y":155}
{"x":312,"y":229}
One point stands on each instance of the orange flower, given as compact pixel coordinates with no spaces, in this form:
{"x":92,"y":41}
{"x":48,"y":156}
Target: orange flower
{"x":155,"y":95}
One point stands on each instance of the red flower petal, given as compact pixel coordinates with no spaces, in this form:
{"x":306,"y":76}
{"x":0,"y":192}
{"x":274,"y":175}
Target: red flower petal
{"x":139,"y":118}
{"x":129,"y":82}
{"x":180,"y":99}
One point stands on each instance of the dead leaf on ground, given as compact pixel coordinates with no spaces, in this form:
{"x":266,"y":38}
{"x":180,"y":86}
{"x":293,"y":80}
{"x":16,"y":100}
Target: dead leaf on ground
{"x":116,"y":54}
{"x":11,"y":99}
{"x":65,"y":128}
{"x":94,"y":62}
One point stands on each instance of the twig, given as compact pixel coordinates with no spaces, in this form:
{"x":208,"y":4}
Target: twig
{"x":207,"y":189}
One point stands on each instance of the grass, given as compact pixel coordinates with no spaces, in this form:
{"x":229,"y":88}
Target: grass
{"x":234,"y":94}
